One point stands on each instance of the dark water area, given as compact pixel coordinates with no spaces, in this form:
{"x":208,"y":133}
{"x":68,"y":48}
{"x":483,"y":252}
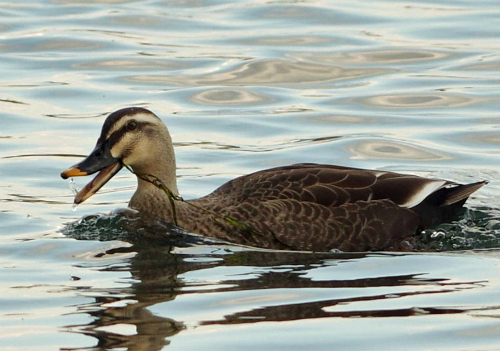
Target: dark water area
{"x":410,"y":87}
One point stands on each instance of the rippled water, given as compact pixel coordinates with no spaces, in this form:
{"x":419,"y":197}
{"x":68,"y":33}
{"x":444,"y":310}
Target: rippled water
{"x":403,"y":86}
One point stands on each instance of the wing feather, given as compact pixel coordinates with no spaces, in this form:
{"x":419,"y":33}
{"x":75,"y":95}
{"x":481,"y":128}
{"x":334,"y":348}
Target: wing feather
{"x":330,"y":186}
{"x":321,"y":207}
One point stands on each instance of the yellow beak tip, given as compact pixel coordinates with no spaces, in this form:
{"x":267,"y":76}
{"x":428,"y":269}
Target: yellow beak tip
{"x":73,"y":172}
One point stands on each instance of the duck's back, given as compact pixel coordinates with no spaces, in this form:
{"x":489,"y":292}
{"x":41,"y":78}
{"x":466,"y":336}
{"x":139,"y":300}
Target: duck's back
{"x":323,"y":207}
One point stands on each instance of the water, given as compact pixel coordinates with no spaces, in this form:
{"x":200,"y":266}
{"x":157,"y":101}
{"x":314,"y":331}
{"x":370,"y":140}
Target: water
{"x":403,"y":86}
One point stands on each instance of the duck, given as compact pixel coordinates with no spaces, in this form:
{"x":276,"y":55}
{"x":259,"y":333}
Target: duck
{"x":305,"y":207}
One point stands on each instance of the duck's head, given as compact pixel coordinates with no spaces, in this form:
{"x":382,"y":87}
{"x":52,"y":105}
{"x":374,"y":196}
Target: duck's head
{"x":132,"y":136}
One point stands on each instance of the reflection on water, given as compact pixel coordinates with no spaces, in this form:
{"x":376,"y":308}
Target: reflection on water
{"x":174,"y":283}
{"x":181,"y":284}
{"x":487,"y":64}
{"x":131,"y":65}
{"x":174,"y":291}
{"x":419,"y":101}
{"x":387,"y":149}
{"x":386,"y":56}
{"x":229,"y":97}
{"x":263,"y":73}
{"x":291,"y":40}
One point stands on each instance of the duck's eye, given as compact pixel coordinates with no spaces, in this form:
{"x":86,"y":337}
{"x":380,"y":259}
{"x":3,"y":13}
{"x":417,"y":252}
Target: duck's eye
{"x":131,"y":125}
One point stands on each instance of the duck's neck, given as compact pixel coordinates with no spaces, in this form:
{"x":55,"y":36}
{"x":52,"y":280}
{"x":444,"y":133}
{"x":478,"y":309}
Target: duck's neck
{"x":159,"y":162}
{"x":167,"y":178}
{"x":152,"y":201}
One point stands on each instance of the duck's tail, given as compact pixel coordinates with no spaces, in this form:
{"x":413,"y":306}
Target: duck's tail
{"x":443,"y":204}
{"x":460,"y":192}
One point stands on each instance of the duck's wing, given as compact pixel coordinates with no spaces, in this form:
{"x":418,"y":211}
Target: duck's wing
{"x":330,"y":186}
{"x":320,"y":207}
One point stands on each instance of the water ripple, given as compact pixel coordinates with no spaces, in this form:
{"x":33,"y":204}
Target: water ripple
{"x":393,"y":150}
{"x":385,"y":56}
{"x":265,"y":72}
{"x":229,"y":97}
{"x":418,"y":100}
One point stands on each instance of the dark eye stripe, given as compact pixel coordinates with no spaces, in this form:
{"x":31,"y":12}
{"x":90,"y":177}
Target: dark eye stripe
{"x":116,"y":116}
{"x":117,"y":135}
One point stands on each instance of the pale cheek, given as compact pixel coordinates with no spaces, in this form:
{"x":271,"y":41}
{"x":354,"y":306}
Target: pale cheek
{"x":117,"y":149}
{"x":123,"y":148}
{"x":138,"y":155}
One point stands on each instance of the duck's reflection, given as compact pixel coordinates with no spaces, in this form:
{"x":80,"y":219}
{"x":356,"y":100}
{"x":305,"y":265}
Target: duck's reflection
{"x":155,"y":270}
{"x":161,"y":274}
{"x":151,"y":332}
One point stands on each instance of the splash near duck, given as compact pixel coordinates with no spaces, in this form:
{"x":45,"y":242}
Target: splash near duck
{"x":299,"y":207}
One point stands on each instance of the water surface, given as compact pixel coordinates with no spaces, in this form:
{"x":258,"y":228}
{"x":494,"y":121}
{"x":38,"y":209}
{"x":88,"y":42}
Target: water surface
{"x":246,"y":85}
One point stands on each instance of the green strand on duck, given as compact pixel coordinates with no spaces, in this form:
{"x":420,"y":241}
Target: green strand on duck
{"x":172,"y":198}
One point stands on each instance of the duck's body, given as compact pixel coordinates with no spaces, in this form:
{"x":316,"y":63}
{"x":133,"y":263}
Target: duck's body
{"x":299,"y":207}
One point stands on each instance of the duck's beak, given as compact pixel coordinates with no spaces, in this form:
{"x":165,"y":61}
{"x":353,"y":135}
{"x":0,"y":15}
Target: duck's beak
{"x":100,"y":159}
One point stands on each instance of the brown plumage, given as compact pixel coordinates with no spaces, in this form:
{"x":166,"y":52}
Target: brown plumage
{"x":299,"y":207}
